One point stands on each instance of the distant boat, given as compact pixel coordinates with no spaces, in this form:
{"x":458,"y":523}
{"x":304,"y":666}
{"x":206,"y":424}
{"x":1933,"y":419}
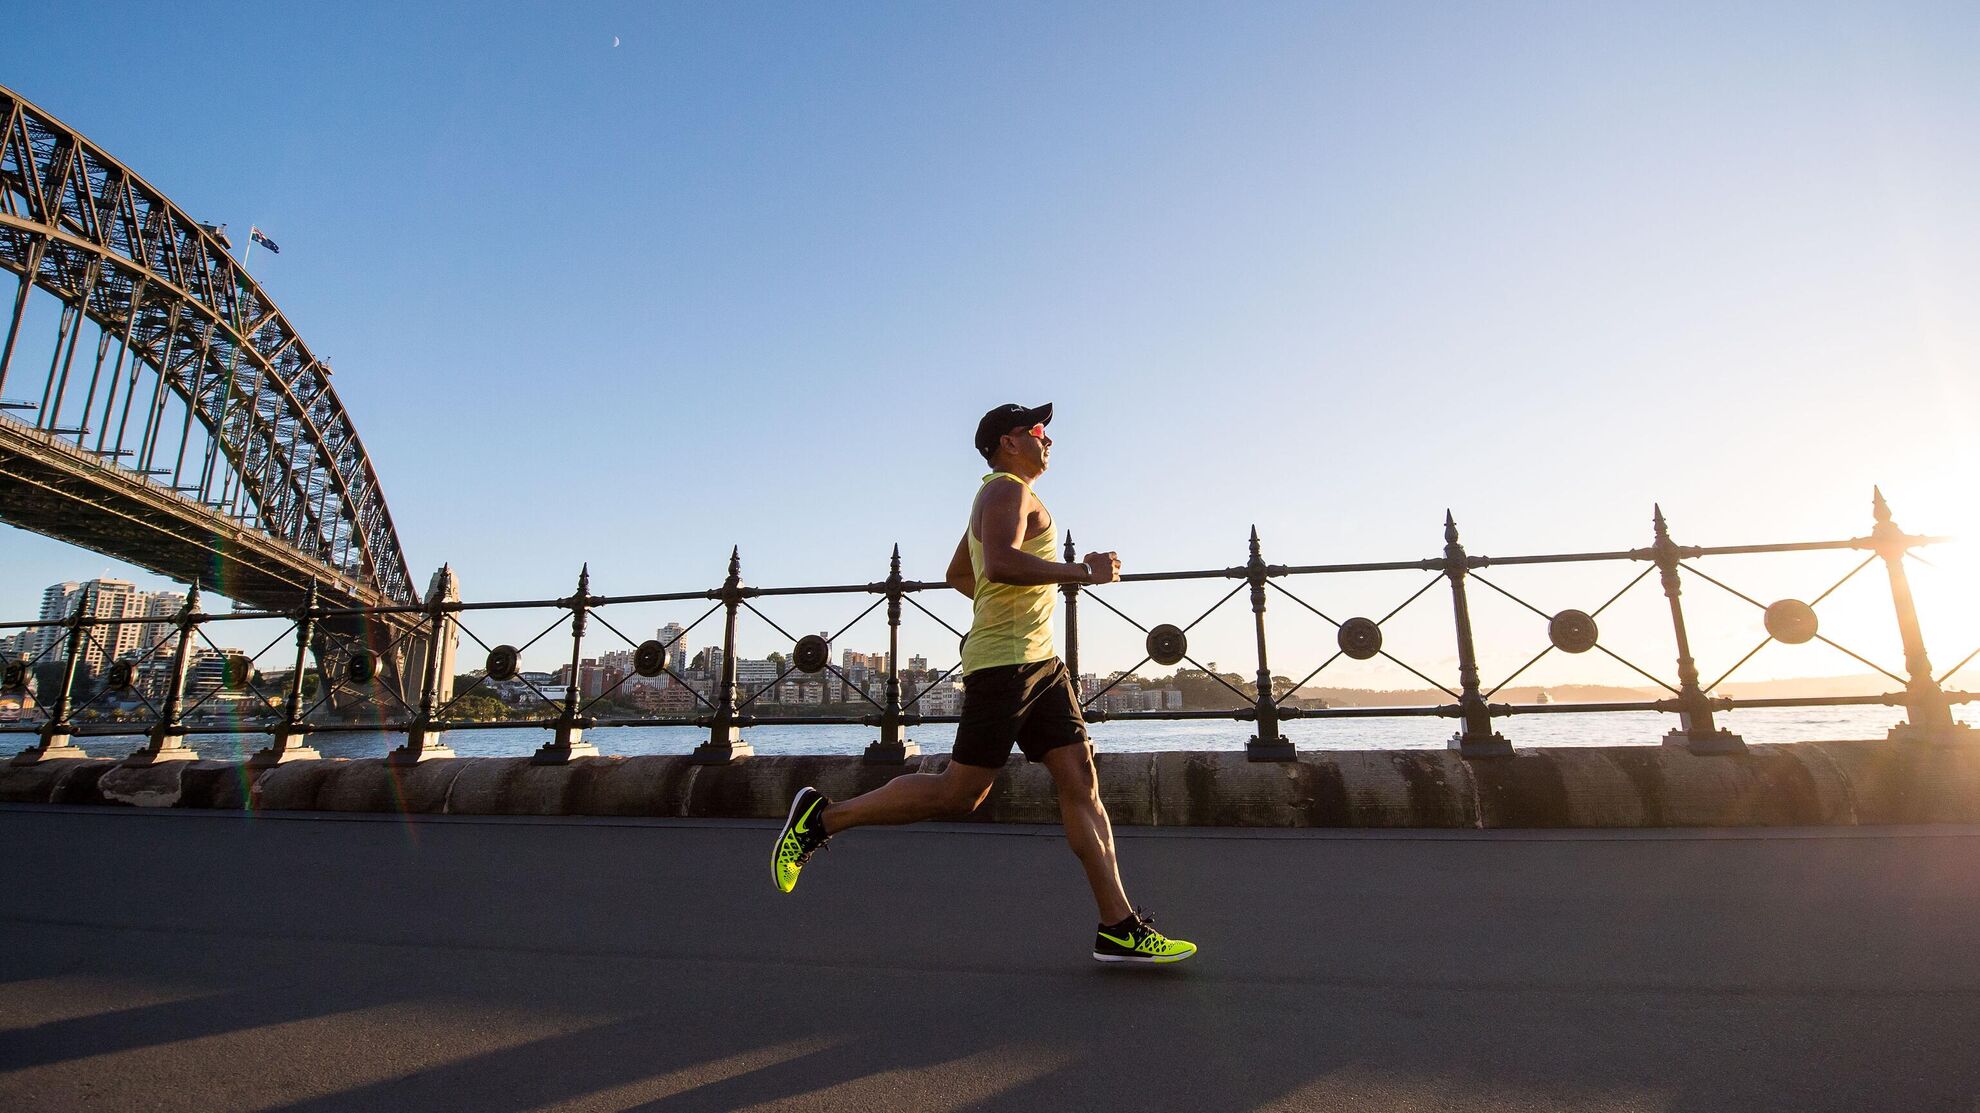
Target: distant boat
{"x":1543,"y":697}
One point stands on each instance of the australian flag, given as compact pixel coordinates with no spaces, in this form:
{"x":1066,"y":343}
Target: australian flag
{"x":256,"y":235}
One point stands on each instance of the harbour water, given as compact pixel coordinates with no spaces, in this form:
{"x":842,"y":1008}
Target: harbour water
{"x":1798,"y":724}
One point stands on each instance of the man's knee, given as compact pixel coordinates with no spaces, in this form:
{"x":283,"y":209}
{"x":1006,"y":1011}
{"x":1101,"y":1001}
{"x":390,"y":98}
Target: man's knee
{"x":1072,"y":770}
{"x":963,"y":791}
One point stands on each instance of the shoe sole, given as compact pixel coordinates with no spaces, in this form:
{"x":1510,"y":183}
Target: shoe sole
{"x":1142,"y":960}
{"x":777,"y":847}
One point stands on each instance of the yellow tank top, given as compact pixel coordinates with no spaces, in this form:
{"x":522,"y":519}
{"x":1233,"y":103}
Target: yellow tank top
{"x":1012,"y":625}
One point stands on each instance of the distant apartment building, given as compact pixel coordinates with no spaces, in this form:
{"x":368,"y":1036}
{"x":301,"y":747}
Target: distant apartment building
{"x":711,"y":658}
{"x":674,"y":637}
{"x":160,"y":605}
{"x":869,"y":662}
{"x":102,"y":598}
{"x":595,"y":677}
{"x":752,"y":675}
{"x":57,"y":600}
{"x":942,"y":699}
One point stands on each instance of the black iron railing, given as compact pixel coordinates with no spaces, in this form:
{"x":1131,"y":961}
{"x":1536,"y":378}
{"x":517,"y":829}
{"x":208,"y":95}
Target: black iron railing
{"x":349,"y":667}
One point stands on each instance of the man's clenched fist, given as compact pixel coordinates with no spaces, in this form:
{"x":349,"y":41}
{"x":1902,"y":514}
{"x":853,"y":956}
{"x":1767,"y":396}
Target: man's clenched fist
{"x":1103,"y":568}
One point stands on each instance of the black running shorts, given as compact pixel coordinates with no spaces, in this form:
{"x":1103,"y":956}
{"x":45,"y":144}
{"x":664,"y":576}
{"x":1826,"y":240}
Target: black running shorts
{"x":1032,"y":706}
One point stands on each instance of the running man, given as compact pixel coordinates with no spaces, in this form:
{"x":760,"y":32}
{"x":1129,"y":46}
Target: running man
{"x":1016,"y":691}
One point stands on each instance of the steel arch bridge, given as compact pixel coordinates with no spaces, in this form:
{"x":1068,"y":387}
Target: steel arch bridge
{"x":195,"y":434}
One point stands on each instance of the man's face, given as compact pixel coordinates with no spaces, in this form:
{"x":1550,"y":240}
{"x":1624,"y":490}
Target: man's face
{"x":1030,"y":445}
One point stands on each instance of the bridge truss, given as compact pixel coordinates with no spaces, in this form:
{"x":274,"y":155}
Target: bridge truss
{"x":177,"y":398}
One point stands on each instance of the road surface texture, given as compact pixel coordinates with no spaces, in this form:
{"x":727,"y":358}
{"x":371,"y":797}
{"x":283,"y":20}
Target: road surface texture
{"x":211,"y":962}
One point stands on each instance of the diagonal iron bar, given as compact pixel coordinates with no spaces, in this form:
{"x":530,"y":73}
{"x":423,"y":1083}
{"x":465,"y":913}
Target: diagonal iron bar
{"x":931,"y":614}
{"x":1316,"y":672}
{"x":1965,"y":661}
{"x":252,"y":686}
{"x":1283,"y":590}
{"x":1847,"y":576}
{"x":1516,"y":673}
{"x":937,"y":682}
{"x":1118,"y":677}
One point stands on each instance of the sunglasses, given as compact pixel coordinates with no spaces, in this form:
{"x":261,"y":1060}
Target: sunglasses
{"x":1037,"y":430}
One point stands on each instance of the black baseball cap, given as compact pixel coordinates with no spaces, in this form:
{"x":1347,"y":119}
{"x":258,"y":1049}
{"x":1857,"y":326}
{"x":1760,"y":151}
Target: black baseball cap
{"x":1005,"y":418}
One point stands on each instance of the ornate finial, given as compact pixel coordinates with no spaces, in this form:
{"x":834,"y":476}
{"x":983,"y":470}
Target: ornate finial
{"x":735,"y":560}
{"x":1878,"y":507}
{"x":584,"y":580}
{"x":1069,"y":547}
{"x":894,"y":564}
{"x":192,"y":597}
{"x":1254,"y":543}
{"x":1450,"y":528}
{"x":1657,"y":520}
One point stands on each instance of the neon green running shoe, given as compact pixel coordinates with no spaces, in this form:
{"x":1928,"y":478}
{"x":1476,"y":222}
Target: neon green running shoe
{"x":803,"y":835}
{"x":1136,"y":940}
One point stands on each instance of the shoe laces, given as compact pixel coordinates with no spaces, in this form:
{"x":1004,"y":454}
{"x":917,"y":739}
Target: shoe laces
{"x":805,"y":854}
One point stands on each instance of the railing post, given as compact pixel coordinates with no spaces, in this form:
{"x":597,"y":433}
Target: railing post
{"x":892,"y":749}
{"x":1928,"y":715}
{"x":57,"y":740}
{"x":1696,"y":731}
{"x":1477,"y":738}
{"x":725,"y":742}
{"x":168,"y":736}
{"x":1268,"y":744}
{"x":568,"y":741}
{"x":1071,"y":592}
{"x":291,"y":738}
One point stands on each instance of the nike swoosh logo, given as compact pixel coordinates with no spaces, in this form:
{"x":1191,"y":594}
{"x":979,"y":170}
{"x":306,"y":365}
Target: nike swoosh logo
{"x":803,"y":819}
{"x":1128,"y":943}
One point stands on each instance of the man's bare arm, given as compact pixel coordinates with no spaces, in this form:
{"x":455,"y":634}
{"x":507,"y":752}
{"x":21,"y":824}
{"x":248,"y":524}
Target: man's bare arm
{"x":961,"y":576}
{"x":1001,"y":527}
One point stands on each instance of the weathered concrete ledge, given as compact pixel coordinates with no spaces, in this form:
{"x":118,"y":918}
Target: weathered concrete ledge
{"x":1803,"y":783}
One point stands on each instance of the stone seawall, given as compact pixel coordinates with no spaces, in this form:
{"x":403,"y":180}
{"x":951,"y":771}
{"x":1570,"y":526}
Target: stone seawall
{"x":1788,"y":784}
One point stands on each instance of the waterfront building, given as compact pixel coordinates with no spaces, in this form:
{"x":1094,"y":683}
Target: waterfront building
{"x":752,"y":675}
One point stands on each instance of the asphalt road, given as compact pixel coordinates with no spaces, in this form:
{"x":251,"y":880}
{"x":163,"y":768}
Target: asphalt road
{"x":210,"y":962}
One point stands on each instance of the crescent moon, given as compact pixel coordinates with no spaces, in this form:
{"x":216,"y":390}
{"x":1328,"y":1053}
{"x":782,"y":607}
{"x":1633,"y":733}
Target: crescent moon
{"x":615,"y":40}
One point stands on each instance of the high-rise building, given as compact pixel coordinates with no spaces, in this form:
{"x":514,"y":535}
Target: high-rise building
{"x":101,"y":599}
{"x":108,"y":599}
{"x":153,"y":637}
{"x":674,"y":637}
{"x":917,"y":664}
{"x":57,"y":600}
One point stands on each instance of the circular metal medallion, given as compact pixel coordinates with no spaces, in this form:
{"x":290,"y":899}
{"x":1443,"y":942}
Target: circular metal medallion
{"x":1791,"y":622}
{"x":503,"y":662}
{"x":1167,"y":644}
{"x":1360,"y":638}
{"x":811,"y":653}
{"x":1573,"y":631}
{"x":239,"y":669}
{"x":16,"y":676}
{"x":651,"y":658}
{"x":122,"y":675}
{"x":361,"y":667}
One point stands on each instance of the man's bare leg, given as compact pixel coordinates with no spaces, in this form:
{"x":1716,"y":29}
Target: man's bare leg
{"x":913,"y":797}
{"x":1087,"y":827}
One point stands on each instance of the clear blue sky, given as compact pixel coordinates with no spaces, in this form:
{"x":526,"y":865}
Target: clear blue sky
{"x":750,"y":276}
